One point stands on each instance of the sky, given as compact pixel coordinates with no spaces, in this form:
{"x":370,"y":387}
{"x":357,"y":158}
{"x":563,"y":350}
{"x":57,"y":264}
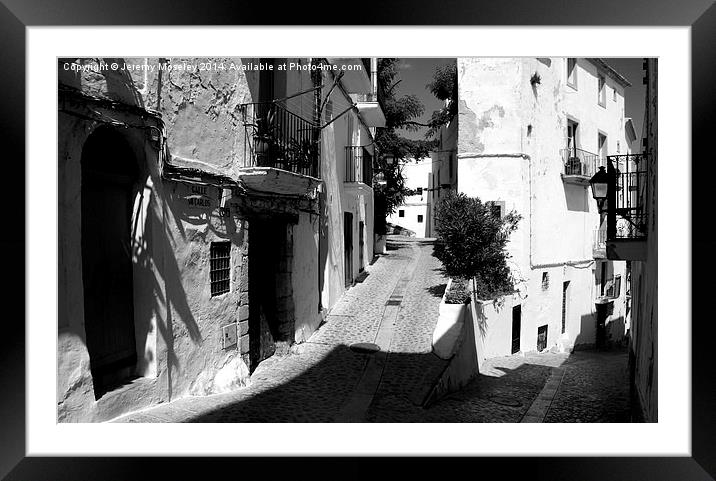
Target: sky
{"x":634,"y":100}
{"x":416,"y":73}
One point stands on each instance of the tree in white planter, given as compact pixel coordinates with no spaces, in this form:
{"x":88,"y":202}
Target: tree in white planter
{"x":471,"y":241}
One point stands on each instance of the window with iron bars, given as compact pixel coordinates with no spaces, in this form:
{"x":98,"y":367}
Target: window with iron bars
{"x":220,"y":268}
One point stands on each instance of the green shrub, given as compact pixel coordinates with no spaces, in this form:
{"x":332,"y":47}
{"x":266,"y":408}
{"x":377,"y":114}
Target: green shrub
{"x":471,"y":243}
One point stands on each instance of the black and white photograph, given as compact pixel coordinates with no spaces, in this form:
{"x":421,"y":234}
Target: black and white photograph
{"x":357,"y":240}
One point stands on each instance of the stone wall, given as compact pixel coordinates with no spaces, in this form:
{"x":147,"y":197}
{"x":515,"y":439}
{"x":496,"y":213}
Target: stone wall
{"x":643,"y":346}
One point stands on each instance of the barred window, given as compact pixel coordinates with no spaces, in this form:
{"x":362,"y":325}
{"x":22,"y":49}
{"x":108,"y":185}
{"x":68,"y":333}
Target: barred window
{"x":220,"y":267}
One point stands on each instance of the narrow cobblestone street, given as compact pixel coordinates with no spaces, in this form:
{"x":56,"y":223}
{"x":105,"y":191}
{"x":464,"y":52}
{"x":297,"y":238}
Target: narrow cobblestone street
{"x":396,"y":307}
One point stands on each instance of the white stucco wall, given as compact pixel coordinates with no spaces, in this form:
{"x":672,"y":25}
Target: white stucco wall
{"x":416,"y":174}
{"x":510,"y":136}
{"x":340,"y":197}
{"x":177,"y":322}
{"x":304,"y":279}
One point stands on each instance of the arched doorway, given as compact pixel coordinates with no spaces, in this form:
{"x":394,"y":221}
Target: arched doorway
{"x":109,"y":178}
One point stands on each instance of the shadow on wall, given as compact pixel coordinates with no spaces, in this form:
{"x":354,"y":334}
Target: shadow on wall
{"x":614,"y":333}
{"x":577,"y":197}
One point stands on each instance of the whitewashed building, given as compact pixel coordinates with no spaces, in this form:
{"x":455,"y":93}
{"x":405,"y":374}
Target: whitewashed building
{"x":207,"y":219}
{"x":415,"y":212}
{"x":529,"y":135}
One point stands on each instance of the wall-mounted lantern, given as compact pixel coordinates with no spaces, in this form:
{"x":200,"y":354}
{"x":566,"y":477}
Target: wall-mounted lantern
{"x":599,"y":184}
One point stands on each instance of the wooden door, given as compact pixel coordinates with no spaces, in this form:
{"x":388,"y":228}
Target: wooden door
{"x":516,"y":328}
{"x":361,"y":245}
{"x":348,"y":247}
{"x":108,"y":180}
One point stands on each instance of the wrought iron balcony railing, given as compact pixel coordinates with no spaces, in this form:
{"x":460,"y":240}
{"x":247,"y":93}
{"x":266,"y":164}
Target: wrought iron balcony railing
{"x":627,"y":201}
{"x":579,"y":162}
{"x":359,"y":165}
{"x":278,"y":138}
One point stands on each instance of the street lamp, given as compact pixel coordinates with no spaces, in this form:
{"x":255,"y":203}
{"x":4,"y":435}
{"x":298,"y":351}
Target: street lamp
{"x":599,"y":184}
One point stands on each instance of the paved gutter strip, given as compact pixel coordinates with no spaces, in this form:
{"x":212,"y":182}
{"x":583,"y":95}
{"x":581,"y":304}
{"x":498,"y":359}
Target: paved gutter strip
{"x":539,"y":407}
{"x":355,"y":409}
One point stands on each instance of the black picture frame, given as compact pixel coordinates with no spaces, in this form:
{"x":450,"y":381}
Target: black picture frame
{"x":16,"y":15}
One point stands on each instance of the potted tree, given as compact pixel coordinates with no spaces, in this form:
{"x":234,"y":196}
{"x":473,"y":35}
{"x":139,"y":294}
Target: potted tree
{"x":471,"y":244}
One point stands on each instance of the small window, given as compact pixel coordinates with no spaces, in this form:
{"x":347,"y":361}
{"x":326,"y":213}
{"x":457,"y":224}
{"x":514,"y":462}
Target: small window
{"x":450,"y":166}
{"x":614,"y":95}
{"x":401,"y":213}
{"x":420,"y":219}
{"x":496,"y":208}
{"x":602,"y":91}
{"x":545,"y":281}
{"x":572,"y":72}
{"x":220,"y":267}
{"x":420,"y":191}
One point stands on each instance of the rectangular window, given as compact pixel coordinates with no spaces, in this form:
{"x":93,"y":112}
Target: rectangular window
{"x":496,"y":208}
{"x":572,"y":72}
{"x":450,"y":166}
{"x":545,"y":281}
{"x":420,"y":219}
{"x":602,"y":91}
{"x":602,"y":148}
{"x":542,"y":338}
{"x":614,"y":95}
{"x":401,"y":213}
{"x":220,"y":267}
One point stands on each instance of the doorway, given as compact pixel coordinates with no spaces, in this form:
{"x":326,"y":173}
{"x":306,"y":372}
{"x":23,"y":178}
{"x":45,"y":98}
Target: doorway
{"x":565,"y":288}
{"x":109,"y":178}
{"x":361,"y":245}
{"x":516,"y":328}
{"x":348,"y":247}
{"x":271,"y":309}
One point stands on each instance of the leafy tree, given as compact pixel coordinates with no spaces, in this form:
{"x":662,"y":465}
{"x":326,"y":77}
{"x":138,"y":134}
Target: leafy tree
{"x":443,"y":87}
{"x":471,"y":243}
{"x":394,"y":150}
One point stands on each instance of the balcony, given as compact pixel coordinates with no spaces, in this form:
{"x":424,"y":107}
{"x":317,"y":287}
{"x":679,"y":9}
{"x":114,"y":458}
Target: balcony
{"x":359,"y":165}
{"x":371,"y":109}
{"x":579,"y":166}
{"x":599,"y":246}
{"x":279,"y":139}
{"x":356,"y":77}
{"x":627,"y":219}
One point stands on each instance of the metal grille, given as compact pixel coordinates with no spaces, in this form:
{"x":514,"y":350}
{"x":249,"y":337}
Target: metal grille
{"x":579,"y":162}
{"x":628,"y":188}
{"x":278,"y":138}
{"x":359,"y":165}
{"x":220,"y":267}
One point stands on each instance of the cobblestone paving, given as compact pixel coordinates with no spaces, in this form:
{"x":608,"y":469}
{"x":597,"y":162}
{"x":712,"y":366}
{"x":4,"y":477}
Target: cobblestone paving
{"x":595,"y":389}
{"x":317,"y":378}
{"x":356,"y":317}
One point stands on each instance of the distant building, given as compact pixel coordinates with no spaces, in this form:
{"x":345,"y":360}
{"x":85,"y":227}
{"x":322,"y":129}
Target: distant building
{"x":208,"y":219}
{"x":414,"y":213}
{"x":529,"y":135}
